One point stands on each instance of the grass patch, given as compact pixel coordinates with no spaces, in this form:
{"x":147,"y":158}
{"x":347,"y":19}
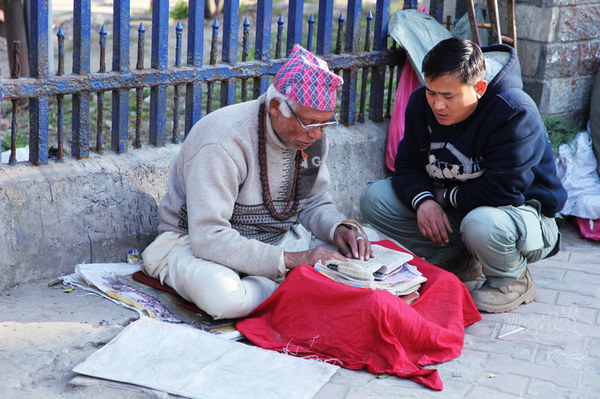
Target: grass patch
{"x":21,"y":141}
{"x":560,"y":130}
{"x":180,"y":10}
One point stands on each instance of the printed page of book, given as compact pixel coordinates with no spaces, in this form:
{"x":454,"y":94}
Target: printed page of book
{"x":385,"y":261}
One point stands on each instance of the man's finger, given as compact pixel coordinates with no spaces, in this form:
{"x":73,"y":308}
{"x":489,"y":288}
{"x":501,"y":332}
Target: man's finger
{"x":353,"y":243}
{"x":364,"y":248}
{"x":433,"y":233}
{"x":342,"y":246}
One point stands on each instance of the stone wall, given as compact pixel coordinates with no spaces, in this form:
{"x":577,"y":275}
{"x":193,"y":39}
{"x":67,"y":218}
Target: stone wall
{"x":559,"y":50}
{"x":55,"y":216}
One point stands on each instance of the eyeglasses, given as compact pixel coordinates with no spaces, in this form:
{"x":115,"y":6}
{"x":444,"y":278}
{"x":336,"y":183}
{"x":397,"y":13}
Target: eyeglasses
{"x":313,"y":126}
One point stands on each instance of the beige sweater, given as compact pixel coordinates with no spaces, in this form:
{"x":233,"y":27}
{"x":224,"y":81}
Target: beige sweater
{"x":214,"y":192}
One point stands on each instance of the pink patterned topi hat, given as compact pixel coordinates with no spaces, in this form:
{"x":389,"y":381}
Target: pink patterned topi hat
{"x":307,"y":80}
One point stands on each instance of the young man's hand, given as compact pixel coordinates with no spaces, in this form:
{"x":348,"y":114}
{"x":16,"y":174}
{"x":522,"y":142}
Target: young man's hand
{"x":433,"y":222}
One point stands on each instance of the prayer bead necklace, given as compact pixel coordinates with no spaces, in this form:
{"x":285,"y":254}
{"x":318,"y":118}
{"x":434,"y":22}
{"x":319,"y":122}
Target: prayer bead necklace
{"x":293,"y":202}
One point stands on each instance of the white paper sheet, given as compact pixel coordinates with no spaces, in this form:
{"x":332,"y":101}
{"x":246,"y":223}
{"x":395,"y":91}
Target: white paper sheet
{"x":185,"y":361}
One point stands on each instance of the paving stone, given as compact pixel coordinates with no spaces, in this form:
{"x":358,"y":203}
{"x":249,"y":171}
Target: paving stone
{"x":496,"y":317}
{"x":460,"y":375}
{"x":578,"y":275}
{"x":562,"y":256}
{"x":518,"y":349}
{"x":541,"y":331}
{"x":577,"y":287}
{"x":332,"y":391}
{"x":351,"y":377}
{"x":550,"y":311}
{"x":588,"y":262}
{"x":583,"y":330}
{"x":576,"y":299}
{"x":589,"y":256}
{"x":546,"y":295}
{"x":544,"y":389}
{"x":589,"y":367}
{"x":498,"y":387}
{"x":551,"y":262}
{"x":502,"y":364}
{"x":501,"y":384}
{"x":483,"y":329}
{"x":358,"y":393}
{"x":544,"y":272}
{"x":390,"y":387}
{"x":469,"y":352}
{"x":552,"y":356}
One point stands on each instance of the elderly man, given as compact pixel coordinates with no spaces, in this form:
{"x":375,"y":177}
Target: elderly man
{"x":475,"y":186}
{"x":247,"y":187}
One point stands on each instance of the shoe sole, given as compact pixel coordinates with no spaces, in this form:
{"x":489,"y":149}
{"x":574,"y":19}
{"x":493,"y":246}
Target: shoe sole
{"x":528,"y":297}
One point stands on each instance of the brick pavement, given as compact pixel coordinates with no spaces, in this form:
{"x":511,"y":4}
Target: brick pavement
{"x":549,"y":348}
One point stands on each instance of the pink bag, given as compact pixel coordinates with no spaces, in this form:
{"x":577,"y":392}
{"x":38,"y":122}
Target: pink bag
{"x":589,"y":228}
{"x":407,"y":84}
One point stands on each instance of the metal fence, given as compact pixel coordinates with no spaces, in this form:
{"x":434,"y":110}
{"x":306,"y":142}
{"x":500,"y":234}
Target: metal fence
{"x":355,"y":45}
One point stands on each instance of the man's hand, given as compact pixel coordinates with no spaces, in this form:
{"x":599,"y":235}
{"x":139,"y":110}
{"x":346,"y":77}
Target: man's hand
{"x":310,"y":257}
{"x":433,"y":222}
{"x":352,"y":243}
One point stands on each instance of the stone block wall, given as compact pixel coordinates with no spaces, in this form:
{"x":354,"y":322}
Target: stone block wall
{"x":559,"y":51}
{"x":94,"y":210}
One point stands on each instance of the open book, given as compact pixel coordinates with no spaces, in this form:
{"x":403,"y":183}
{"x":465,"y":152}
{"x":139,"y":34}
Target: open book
{"x":388,"y":270}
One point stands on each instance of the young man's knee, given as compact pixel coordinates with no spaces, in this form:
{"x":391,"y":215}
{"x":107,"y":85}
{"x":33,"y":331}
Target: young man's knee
{"x":368,"y":203}
{"x":486,"y":226}
{"x":378,"y":200}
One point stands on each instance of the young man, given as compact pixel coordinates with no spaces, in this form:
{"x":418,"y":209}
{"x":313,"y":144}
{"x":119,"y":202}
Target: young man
{"x":475,"y":186}
{"x":248,"y":185}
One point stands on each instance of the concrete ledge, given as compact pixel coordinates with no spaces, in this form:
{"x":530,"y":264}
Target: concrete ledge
{"x":55,"y":216}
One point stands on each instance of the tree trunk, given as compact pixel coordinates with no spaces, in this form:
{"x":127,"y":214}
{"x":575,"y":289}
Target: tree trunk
{"x":14,"y":27}
{"x":212,"y":8}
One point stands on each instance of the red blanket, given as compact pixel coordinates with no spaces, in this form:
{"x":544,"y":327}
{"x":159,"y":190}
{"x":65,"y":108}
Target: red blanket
{"x":311,"y":315}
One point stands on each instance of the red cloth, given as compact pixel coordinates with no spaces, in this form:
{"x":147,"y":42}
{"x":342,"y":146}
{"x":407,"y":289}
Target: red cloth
{"x":311,"y":315}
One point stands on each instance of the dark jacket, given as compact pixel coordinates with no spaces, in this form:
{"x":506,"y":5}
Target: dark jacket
{"x":500,"y":155}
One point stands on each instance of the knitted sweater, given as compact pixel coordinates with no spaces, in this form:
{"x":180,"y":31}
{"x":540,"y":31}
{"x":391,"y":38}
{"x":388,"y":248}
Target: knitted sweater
{"x":214,"y":192}
{"x":500,"y":155}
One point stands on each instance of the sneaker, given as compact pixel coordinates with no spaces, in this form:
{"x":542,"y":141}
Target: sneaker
{"x":505,"y":298}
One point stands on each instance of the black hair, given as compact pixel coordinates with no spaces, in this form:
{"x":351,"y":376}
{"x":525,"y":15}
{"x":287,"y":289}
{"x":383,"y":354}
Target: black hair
{"x":455,"y":56}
